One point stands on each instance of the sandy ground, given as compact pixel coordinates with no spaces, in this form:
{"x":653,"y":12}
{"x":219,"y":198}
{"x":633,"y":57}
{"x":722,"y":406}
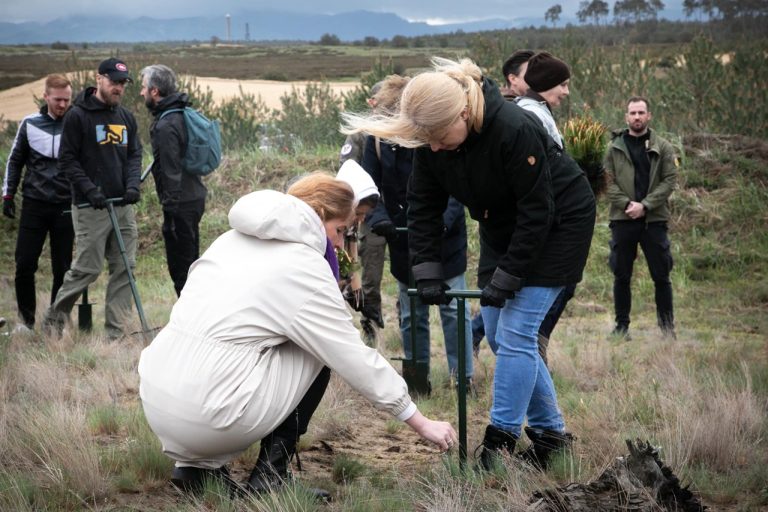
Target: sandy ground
{"x":17,"y":102}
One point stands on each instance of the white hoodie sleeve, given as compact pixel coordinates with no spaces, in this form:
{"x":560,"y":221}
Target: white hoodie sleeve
{"x":324,"y":328}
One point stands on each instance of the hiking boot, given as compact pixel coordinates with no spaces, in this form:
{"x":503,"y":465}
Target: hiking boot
{"x":621,"y":332}
{"x":494,"y":442}
{"x":544,"y":443}
{"x":53,"y":324}
{"x":271,"y":469}
{"x":192,"y":479}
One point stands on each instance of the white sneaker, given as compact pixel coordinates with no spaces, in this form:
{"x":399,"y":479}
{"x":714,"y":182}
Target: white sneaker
{"x":22,"y":330}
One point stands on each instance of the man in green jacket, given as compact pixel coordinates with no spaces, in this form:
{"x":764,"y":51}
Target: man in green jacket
{"x":643,"y":168}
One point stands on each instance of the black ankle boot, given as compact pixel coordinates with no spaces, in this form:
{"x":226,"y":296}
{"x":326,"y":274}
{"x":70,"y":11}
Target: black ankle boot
{"x":271,"y":470}
{"x":494,"y":442}
{"x":543,"y":444}
{"x":192,"y":479}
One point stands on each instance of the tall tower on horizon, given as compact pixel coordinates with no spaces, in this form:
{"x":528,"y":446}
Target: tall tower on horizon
{"x":229,"y":28}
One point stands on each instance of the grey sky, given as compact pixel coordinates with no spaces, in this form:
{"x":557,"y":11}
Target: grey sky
{"x":434,"y":11}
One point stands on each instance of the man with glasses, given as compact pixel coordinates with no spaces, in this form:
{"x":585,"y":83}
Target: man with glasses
{"x":101,"y":156}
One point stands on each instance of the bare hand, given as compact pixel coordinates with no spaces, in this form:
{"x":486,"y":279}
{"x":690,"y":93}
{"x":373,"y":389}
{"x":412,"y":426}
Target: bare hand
{"x":439,"y":432}
{"x":635,"y":210}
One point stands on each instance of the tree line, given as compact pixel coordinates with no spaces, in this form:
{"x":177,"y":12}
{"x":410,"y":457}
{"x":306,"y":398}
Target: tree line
{"x":598,"y":11}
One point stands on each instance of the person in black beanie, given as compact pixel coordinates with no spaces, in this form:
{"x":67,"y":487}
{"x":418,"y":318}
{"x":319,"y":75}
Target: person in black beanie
{"x":548,"y":78}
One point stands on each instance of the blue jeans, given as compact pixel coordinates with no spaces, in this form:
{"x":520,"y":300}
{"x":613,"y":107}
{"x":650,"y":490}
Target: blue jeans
{"x":522,"y":385}
{"x":449,"y":319}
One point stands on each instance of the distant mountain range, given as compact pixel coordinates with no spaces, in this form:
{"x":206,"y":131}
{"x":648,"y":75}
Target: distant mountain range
{"x":262,"y":26}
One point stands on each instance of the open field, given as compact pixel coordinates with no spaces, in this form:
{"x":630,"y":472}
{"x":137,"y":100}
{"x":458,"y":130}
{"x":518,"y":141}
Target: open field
{"x":19,"y":65}
{"x":72,"y":432}
{"x":19,"y":101}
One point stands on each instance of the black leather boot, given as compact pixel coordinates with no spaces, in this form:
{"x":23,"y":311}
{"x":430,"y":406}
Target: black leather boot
{"x":543,"y":444}
{"x":192,"y":479}
{"x":271,"y":470}
{"x":494,"y":442}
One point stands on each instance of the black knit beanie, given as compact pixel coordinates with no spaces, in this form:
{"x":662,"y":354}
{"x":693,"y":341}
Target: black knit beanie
{"x":546,"y":71}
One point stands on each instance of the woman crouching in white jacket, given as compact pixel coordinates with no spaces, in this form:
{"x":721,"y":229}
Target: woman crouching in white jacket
{"x":259,"y":317}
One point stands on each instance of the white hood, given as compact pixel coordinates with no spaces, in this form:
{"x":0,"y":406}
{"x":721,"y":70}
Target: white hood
{"x":361,"y":182}
{"x":272,"y":215}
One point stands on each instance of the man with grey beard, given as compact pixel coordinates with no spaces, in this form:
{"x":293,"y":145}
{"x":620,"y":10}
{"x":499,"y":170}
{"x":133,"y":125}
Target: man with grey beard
{"x":101,"y":156}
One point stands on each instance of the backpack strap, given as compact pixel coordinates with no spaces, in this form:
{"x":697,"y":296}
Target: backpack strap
{"x":170,"y":110}
{"x":378,"y":148}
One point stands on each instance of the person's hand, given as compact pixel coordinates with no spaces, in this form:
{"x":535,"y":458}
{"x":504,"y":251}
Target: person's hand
{"x":354,"y":298}
{"x":9,"y":207}
{"x":440,"y":433}
{"x":432,"y":291}
{"x":131,"y":196}
{"x":97,"y":199}
{"x":501,"y":287}
{"x":385,"y":229}
{"x":635,"y":210}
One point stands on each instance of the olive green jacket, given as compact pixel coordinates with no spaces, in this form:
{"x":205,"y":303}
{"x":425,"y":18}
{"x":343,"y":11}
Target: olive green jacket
{"x":621,"y":171}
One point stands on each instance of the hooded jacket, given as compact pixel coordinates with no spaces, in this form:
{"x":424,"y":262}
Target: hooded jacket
{"x":100,"y":147}
{"x":168,"y":133}
{"x":37,"y":146}
{"x":534,"y":103}
{"x":533,"y":203}
{"x":260,"y":288}
{"x":662,"y":180}
{"x":391,"y":172}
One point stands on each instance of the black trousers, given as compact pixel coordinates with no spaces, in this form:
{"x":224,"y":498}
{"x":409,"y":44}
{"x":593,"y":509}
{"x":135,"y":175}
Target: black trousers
{"x":295,"y":425}
{"x":653,"y":240}
{"x":182,"y":240}
{"x":553,"y":315}
{"x":38,"y":220}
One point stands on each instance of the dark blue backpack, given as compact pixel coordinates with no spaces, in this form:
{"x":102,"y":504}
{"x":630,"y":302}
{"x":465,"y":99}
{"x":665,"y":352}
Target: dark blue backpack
{"x":203,"y":153}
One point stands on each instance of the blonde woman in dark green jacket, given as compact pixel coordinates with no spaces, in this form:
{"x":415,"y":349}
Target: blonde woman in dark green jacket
{"x":643,"y":171}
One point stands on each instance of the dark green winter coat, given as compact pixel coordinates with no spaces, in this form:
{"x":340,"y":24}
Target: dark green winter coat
{"x":663,"y":179}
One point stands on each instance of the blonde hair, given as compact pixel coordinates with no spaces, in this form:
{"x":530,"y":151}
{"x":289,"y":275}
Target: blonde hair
{"x":330,"y":198}
{"x":388,"y":96}
{"x":431,"y":102}
{"x":56,"y":81}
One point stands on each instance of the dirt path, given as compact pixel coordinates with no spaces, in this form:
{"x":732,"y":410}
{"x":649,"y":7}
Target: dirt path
{"x":17,"y":102}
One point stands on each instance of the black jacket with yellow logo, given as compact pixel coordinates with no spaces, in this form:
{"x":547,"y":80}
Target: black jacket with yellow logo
{"x":100,"y":147}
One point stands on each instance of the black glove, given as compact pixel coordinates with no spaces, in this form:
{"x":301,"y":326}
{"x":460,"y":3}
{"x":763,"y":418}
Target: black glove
{"x":97,"y":199}
{"x":432,"y":291}
{"x":501,"y":287}
{"x":385,"y":229}
{"x":9,"y":207}
{"x":131,"y":196}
